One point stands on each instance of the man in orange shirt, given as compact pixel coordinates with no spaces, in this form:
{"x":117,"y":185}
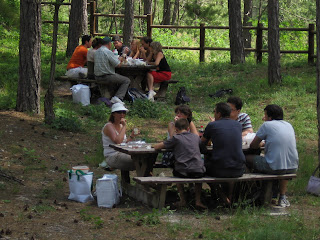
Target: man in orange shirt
{"x":75,"y":68}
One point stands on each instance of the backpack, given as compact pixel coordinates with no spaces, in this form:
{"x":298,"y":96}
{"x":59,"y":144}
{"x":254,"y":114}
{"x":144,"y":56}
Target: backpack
{"x":134,"y":94}
{"x":220,"y":93}
{"x":182,"y":97}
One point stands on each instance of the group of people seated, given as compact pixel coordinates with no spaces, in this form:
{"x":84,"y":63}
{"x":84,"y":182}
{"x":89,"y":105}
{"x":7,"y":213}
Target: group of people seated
{"x":101,"y":62}
{"x":227,"y":160}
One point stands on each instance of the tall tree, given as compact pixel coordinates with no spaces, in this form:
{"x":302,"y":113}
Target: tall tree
{"x":274,"y":75}
{"x":166,"y":12}
{"x":235,"y":32}
{"x":128,"y":22}
{"x":318,"y":74}
{"x":247,"y":15}
{"x":48,"y":99}
{"x":147,"y":7}
{"x":78,"y":24}
{"x":28,"y":94}
{"x":175,"y":13}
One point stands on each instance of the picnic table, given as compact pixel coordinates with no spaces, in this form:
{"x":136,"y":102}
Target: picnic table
{"x":152,"y":190}
{"x":136,"y":74}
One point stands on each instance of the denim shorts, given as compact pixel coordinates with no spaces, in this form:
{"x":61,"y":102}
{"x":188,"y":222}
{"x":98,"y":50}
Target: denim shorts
{"x":260,"y":164}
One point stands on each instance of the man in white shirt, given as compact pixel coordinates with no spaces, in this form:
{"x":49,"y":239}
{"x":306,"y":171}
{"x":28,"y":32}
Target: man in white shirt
{"x":281,"y":155}
{"x":105,"y":63}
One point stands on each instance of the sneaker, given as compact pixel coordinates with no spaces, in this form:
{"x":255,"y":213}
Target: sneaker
{"x":284,"y":202}
{"x":115,"y":99}
{"x":151,"y":95}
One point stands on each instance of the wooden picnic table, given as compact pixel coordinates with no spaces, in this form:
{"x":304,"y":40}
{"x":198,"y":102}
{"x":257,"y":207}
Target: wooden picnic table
{"x":144,"y":159}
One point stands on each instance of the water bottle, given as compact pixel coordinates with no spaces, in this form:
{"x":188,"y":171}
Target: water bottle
{"x":115,"y":52}
{"x":201,"y":131}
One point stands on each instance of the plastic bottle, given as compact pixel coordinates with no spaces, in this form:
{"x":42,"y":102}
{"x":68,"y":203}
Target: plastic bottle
{"x":201,"y":130}
{"x":115,"y":52}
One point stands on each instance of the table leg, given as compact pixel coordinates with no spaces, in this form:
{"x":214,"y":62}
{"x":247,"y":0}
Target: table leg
{"x":144,"y":163}
{"x":267,"y":192}
{"x":136,"y":82}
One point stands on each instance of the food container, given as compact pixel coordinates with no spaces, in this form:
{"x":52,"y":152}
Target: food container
{"x":84,"y":169}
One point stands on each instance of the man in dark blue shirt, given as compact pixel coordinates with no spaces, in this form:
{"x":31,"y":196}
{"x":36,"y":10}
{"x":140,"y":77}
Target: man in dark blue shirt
{"x":227,"y":158}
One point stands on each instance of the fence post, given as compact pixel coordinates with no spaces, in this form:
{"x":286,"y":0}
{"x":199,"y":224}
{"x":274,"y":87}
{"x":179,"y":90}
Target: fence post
{"x":311,"y":44}
{"x":202,"y":41}
{"x":92,"y":18}
{"x":149,"y":24}
{"x":259,"y":42}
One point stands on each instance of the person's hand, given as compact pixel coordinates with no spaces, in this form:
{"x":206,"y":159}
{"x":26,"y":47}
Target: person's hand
{"x":135,"y":132}
{"x":123,"y":121}
{"x":176,"y":118}
{"x":126,"y":50}
{"x":212,"y":119}
{"x":142,"y":49}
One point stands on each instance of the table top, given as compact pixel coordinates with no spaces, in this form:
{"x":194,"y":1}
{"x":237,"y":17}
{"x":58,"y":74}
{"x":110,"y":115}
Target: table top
{"x":137,"y":67}
{"x":146,"y":149}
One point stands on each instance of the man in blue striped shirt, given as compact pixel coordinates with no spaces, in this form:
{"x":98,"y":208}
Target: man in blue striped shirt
{"x":236,"y":104}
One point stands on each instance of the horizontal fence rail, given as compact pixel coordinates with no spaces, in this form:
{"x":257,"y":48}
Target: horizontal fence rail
{"x":202,"y":48}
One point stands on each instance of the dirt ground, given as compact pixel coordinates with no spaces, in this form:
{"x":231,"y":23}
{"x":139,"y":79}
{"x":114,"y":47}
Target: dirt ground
{"x":40,"y":209}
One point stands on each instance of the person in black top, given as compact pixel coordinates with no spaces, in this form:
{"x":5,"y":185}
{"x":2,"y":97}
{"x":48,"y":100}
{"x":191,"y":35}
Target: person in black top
{"x":122,"y":49}
{"x":163,"y":72}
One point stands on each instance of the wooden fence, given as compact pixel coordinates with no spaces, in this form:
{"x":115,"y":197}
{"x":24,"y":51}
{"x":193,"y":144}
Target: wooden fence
{"x":202,"y":28}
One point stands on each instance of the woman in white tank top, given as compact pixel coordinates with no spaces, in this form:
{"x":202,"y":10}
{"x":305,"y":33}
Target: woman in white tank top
{"x":114,"y":132}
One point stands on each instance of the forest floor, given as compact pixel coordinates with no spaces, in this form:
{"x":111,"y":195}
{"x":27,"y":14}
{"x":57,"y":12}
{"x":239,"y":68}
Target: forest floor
{"x":39,"y":209}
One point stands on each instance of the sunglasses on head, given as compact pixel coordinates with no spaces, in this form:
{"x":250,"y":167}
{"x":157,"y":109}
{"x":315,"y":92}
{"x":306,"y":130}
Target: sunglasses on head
{"x":119,"y":112}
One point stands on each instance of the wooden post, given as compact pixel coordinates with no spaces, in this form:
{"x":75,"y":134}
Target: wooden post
{"x":202,"y":41}
{"x":92,"y":18}
{"x":259,"y":42}
{"x":149,"y":25}
{"x":311,"y":44}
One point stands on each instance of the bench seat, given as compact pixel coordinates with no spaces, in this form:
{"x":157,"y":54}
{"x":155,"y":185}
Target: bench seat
{"x":159,"y":196}
{"x":161,"y":92}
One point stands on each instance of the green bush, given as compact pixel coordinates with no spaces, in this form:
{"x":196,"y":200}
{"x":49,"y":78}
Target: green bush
{"x":147,"y":109}
{"x":72,"y":124}
{"x":96,"y":112}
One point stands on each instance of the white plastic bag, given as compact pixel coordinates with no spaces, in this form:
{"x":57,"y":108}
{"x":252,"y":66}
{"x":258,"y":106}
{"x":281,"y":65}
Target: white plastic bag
{"x":81,"y":94}
{"x":108,"y":193}
{"x":80,"y":185}
{"x":246,"y":140}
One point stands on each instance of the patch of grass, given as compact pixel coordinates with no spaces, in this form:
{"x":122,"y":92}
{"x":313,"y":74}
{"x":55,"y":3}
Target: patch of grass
{"x":42,"y":208}
{"x":96,"y":220}
{"x":71,"y":124}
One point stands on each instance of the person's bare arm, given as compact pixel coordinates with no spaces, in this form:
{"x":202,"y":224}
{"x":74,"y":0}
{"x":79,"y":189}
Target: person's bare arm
{"x":255,"y":144}
{"x":111,"y":133}
{"x":193,"y":128}
{"x":159,"y":146}
{"x":171,"y":129}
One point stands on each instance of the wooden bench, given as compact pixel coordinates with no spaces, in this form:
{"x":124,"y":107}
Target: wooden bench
{"x":157,"y":198}
{"x":161,"y":92}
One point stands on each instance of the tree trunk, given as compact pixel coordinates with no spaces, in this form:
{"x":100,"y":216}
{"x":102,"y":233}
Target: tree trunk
{"x":76,"y":24}
{"x":28,"y":94}
{"x":48,"y":99}
{"x":318,"y":74}
{"x":128,"y":22}
{"x":175,"y":14}
{"x":147,"y":7}
{"x":247,"y":16}
{"x":154,"y":9}
{"x":166,"y":12}
{"x":235,"y":32}
{"x":274,"y":75}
